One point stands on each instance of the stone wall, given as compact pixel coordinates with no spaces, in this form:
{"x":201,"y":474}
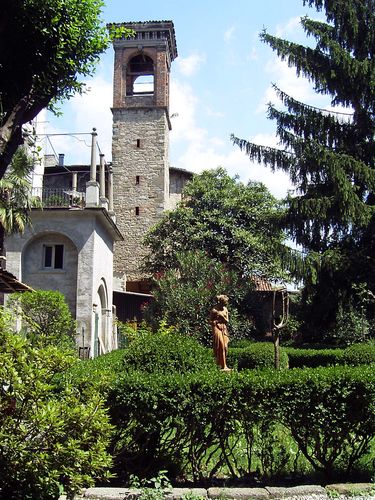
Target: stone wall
{"x":141,"y":181}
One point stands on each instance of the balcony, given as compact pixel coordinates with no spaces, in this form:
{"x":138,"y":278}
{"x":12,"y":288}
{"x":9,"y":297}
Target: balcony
{"x":59,"y":198}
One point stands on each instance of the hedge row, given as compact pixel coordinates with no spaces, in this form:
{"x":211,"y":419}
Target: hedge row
{"x":355,"y":355}
{"x":261,"y":355}
{"x":209,"y":423}
{"x":256,"y":356}
{"x":311,"y":358}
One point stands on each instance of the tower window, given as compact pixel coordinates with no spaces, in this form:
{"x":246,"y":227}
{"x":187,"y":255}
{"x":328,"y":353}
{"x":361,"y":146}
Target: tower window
{"x":138,"y":143}
{"x":136,"y":210}
{"x":137,"y":180}
{"x":140,"y":76}
{"x":143,"y":85}
{"x":53,"y":256}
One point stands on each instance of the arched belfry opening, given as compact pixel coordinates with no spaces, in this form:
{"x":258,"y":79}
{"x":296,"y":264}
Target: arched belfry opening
{"x":140,"y":75}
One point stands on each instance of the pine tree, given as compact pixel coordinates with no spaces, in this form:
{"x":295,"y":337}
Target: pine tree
{"x":330,"y":156}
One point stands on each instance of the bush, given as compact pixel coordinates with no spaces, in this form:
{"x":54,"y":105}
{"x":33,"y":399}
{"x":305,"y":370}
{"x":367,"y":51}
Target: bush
{"x":258,"y":355}
{"x":351,"y":327}
{"x":97,"y":374}
{"x":241,"y":343}
{"x":330,"y":413}
{"x":311,"y":358}
{"x":167,"y":353}
{"x":46,"y":319}
{"x":274,"y":422}
{"x":53,"y":438}
{"x":359,"y":354}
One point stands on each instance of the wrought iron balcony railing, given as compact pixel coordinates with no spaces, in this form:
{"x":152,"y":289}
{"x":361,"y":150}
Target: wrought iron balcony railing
{"x":57,"y":197}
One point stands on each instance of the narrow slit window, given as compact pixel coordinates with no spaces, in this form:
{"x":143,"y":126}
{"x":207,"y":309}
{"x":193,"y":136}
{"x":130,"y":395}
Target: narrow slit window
{"x":136,"y":210}
{"x":137,"y":180}
{"x":138,"y":143}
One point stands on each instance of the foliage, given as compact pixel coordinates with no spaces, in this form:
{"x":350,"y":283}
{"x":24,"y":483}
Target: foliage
{"x":258,"y":355}
{"x":234,"y":223}
{"x":184,"y":296}
{"x":311,"y":358}
{"x":15,"y":196}
{"x":167,"y":353}
{"x":351,"y":326}
{"x":329,"y":155}
{"x":53,"y":438}
{"x":46,"y":319}
{"x":46,"y":48}
{"x":327,"y":412}
{"x":359,"y":354}
{"x":152,"y":489}
{"x":264,"y":422}
{"x":230,"y":236}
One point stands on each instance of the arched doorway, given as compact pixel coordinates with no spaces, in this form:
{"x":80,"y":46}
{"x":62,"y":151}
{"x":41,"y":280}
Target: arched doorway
{"x":101,"y":322}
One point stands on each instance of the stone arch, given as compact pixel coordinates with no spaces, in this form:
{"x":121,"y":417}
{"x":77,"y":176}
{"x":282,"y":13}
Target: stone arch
{"x":102,"y":324}
{"x":49,"y":261}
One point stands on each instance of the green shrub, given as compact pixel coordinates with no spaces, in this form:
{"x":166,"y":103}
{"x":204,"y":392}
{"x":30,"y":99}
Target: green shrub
{"x":258,"y":355}
{"x":46,"y":319}
{"x":241,"y":343}
{"x":201,"y":424}
{"x":167,"y":353}
{"x":53,"y":437}
{"x":330,"y":413}
{"x":311,"y":358}
{"x":351,"y":327}
{"x":359,"y":354}
{"x":97,"y":374}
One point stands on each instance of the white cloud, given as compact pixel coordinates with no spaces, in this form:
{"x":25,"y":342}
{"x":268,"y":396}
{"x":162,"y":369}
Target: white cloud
{"x":286,"y":79}
{"x":229,"y":33}
{"x":194,"y":149}
{"x":189,"y":65}
{"x":291,"y":27}
{"x":88,"y":111}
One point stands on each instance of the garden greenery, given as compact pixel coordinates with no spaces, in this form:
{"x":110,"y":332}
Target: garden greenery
{"x":46,"y":318}
{"x":256,"y":424}
{"x":53,"y":436}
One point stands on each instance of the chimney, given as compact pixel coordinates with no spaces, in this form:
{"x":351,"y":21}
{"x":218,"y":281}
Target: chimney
{"x":61,"y":159}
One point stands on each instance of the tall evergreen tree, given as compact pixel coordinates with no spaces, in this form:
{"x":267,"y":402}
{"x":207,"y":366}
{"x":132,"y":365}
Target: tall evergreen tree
{"x":330,"y":156}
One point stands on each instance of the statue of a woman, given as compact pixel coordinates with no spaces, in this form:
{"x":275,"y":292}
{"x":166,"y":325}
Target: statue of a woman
{"x":219,"y":318}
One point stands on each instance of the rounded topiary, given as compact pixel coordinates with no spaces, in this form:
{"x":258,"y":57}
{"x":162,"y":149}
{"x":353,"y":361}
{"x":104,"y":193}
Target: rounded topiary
{"x":258,"y":355}
{"x":167,"y":353}
{"x":359,"y":354}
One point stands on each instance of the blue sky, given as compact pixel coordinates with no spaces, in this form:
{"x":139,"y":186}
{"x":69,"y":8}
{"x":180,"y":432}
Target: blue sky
{"x":220,"y":84}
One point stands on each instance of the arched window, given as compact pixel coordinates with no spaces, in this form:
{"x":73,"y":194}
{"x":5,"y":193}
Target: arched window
{"x":140,"y":76}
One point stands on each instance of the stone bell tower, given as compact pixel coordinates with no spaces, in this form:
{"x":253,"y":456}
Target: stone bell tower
{"x":140,"y":144}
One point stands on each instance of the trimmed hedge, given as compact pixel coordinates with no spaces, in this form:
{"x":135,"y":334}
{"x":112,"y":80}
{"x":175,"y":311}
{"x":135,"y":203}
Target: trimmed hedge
{"x":359,"y":354}
{"x":312,"y":358}
{"x":210,"y":422}
{"x":355,"y":355}
{"x":167,"y":353}
{"x":173,"y":410}
{"x":259,"y":355}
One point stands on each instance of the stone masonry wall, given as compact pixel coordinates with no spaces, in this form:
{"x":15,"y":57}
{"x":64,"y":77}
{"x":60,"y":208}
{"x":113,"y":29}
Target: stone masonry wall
{"x":141,"y":179}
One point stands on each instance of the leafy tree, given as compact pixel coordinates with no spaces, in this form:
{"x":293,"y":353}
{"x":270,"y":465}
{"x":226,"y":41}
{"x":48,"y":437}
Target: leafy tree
{"x":234,"y":223}
{"x":45,"y":46}
{"x":46,"y":319}
{"x":53,"y":437}
{"x":329,"y":156}
{"x":16,"y":198}
{"x":185,"y":294}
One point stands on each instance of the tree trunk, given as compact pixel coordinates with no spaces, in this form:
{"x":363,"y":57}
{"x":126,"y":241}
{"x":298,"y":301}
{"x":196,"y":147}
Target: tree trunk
{"x":276,"y":344}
